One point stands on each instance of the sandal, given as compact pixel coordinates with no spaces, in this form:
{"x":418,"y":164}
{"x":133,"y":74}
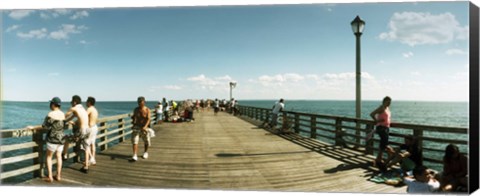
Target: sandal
{"x":57,"y":178}
{"x":47,"y":179}
{"x":84,"y":170}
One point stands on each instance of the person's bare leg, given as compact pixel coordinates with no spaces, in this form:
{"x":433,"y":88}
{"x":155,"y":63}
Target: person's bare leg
{"x":59,"y":166}
{"x":49,"y":165}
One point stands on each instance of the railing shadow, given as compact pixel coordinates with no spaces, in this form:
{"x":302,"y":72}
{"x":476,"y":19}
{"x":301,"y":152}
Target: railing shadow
{"x":225,"y":155}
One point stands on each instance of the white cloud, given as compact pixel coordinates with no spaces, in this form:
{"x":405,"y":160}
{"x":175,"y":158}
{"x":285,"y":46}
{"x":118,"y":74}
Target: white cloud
{"x":415,"y":73}
{"x":12,"y":28}
{"x":38,"y":34}
{"x":79,"y":14}
{"x":224,"y":78}
{"x":219,"y":83}
{"x":54,"y":13}
{"x":455,"y":51}
{"x":172,"y":87}
{"x":19,"y":14}
{"x":407,"y":54}
{"x":417,"y":28}
{"x":65,"y":30}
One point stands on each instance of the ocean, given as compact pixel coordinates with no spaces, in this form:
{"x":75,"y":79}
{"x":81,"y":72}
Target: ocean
{"x":452,"y":114}
{"x":15,"y":114}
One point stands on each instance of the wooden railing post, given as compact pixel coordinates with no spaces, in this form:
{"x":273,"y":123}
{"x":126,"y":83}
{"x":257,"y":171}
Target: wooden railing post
{"x":37,"y":137}
{"x":297,"y":123}
{"x":369,"y":144}
{"x":338,"y":132}
{"x":103,"y":138}
{"x":121,"y":126}
{"x":313,"y":127}
{"x":419,"y":135}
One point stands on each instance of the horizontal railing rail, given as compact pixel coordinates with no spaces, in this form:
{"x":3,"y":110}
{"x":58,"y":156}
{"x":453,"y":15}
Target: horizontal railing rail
{"x":30,"y":144}
{"x":340,"y":130}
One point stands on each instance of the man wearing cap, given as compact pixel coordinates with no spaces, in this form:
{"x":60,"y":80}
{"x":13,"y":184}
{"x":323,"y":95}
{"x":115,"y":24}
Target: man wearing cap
{"x":80,"y":129}
{"x":55,"y":137}
{"x":140,"y":121}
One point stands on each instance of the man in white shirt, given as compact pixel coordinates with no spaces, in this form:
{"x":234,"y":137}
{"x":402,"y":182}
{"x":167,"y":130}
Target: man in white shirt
{"x":277,"y":108}
{"x":422,"y":182}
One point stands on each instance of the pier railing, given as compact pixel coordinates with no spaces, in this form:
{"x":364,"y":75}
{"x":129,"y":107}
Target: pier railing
{"x":25,"y":154}
{"x":338,"y":130}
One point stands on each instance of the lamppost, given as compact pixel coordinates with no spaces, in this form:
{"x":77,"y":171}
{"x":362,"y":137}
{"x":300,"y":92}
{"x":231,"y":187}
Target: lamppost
{"x":232,"y":85}
{"x":357,"y":26}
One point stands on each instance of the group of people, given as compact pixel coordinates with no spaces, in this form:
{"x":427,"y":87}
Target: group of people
{"x":84,"y":122}
{"x":419,"y":178}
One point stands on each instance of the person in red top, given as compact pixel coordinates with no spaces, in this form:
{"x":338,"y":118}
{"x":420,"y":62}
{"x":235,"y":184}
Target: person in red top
{"x":382,"y":116}
{"x":455,"y":169}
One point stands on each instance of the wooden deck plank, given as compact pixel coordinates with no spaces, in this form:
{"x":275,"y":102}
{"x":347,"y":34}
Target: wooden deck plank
{"x":228,"y":153}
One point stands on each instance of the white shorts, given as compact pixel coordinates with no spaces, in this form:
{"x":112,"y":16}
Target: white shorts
{"x":92,"y":134}
{"x":55,"y":147}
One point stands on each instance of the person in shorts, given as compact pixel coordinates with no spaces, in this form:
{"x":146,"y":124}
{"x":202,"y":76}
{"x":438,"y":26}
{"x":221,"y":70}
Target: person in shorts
{"x":80,"y":130}
{"x":92,"y":128}
{"x":140,"y":121}
{"x":54,"y":123}
{"x":381,"y":117}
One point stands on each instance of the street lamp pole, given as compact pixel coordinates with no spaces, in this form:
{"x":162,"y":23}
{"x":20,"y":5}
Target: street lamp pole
{"x":232,"y":85}
{"x":357,"y":27}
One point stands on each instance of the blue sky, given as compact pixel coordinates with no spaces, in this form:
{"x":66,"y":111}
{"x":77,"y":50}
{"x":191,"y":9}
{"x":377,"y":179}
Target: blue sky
{"x":410,"y":51}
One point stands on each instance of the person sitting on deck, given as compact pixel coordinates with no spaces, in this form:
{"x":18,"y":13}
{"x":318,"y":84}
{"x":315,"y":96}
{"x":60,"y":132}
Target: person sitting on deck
{"x":422,"y":181}
{"x":408,"y":155}
{"x":455,"y":172}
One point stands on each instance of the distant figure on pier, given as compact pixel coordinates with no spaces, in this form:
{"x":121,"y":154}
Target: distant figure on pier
{"x":408,"y":155}
{"x":140,"y":121}
{"x":159,"y":112}
{"x":93,"y":128}
{"x":54,"y":123}
{"x":232,"y":106}
{"x":80,"y":130}
{"x":197,"y":105}
{"x":166,"y":108}
{"x":216,"y":106}
{"x":422,"y":181}
{"x":276,"y":109}
{"x":382,"y":116}
{"x":455,"y":170}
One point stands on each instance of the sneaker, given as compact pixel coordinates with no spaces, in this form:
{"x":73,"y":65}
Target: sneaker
{"x":134,"y":157}
{"x":145,"y":155}
{"x":93,"y":162}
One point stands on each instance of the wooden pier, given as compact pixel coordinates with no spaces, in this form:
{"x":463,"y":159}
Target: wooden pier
{"x":224,"y":152}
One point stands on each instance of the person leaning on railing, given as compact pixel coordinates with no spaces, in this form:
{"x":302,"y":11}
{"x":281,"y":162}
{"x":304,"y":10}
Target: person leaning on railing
{"x":54,"y":123}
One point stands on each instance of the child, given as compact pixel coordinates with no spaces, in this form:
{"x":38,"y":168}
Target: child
{"x":422,"y":181}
